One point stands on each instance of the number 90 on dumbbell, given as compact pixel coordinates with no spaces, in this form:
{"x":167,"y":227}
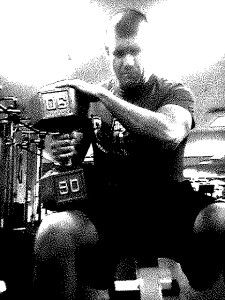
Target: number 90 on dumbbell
{"x":59,"y":188}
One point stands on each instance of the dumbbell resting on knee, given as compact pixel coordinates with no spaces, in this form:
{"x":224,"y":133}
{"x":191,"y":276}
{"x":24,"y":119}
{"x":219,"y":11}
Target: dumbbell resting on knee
{"x":57,"y":111}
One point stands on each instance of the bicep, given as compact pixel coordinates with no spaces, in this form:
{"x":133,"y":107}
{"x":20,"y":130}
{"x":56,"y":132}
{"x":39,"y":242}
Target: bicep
{"x":179,"y":118}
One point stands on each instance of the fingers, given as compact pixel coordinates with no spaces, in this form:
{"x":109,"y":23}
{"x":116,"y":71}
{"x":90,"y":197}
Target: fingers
{"x":89,"y":89}
{"x":60,"y":140}
{"x":62,"y":147}
{"x":73,"y":83}
{"x":66,"y":145}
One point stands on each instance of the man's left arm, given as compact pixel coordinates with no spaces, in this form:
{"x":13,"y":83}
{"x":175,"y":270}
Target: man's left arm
{"x":170,"y":123}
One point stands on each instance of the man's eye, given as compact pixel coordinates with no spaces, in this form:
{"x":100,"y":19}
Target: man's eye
{"x":134,"y":52}
{"x":119,"y":54}
{"x":122,"y":53}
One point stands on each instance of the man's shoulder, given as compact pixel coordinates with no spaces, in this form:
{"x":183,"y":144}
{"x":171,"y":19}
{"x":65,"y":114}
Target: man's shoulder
{"x":165,"y":83}
{"x":171,"y":91}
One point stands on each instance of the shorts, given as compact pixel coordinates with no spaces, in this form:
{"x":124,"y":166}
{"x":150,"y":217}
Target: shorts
{"x":141,"y":226}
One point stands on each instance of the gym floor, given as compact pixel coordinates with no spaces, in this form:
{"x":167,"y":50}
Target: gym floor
{"x":16,"y":269}
{"x":16,"y":263}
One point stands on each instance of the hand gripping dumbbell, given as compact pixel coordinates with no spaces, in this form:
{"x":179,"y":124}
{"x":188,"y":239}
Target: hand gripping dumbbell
{"x":57,"y":111}
{"x":149,"y":285}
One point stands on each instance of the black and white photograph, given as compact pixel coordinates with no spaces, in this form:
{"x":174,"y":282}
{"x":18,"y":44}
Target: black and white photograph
{"x":112,"y":150}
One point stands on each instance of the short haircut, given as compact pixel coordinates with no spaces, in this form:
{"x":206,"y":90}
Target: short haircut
{"x":126,"y":22}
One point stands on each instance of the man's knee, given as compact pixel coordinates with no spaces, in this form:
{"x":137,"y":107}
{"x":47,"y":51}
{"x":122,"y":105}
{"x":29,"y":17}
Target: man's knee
{"x":64,"y":232}
{"x":211,"y":219}
{"x":205,"y":258}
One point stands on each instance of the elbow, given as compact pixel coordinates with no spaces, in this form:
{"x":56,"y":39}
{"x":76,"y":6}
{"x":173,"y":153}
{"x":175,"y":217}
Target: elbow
{"x":170,"y":134}
{"x":172,"y":138}
{"x":174,"y":143}
{"x":170,"y":143}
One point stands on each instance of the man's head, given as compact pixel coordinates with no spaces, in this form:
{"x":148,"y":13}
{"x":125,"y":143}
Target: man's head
{"x":126,"y":47}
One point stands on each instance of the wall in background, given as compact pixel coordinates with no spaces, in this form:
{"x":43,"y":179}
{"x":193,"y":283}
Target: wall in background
{"x":50,"y":40}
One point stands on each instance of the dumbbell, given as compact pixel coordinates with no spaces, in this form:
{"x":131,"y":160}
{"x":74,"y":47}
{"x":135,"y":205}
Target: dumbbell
{"x":149,"y":285}
{"x":56,"y":111}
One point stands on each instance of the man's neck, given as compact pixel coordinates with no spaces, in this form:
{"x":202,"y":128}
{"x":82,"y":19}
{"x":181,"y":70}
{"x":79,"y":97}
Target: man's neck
{"x":132,"y":93}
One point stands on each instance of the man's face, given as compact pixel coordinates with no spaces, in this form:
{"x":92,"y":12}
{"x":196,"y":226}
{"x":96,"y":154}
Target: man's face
{"x":128,"y":58}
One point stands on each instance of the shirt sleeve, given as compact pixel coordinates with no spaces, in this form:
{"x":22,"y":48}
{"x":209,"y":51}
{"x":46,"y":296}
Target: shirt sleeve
{"x":178,"y":94}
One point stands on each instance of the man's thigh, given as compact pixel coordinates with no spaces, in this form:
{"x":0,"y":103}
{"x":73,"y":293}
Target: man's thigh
{"x":147,"y":227}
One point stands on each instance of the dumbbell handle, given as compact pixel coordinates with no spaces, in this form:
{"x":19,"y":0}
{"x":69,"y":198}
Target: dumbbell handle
{"x":65,"y":162}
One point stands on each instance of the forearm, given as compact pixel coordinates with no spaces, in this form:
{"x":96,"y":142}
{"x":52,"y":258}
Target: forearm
{"x":169,"y":124}
{"x":139,"y":120}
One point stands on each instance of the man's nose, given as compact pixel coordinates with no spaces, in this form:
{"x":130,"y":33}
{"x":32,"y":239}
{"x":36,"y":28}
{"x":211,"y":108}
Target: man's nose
{"x":128,"y":60}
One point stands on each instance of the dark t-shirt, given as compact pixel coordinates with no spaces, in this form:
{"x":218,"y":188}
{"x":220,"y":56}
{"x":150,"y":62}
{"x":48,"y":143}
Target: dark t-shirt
{"x":123,"y":158}
{"x":140,"y":206}
{"x":137,"y":191}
